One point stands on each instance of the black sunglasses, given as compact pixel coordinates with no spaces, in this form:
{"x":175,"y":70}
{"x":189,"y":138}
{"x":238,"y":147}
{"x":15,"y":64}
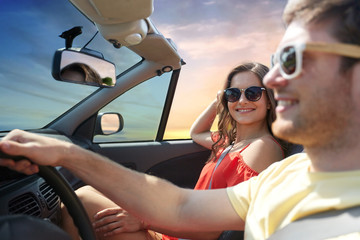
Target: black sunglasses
{"x":252,"y":94}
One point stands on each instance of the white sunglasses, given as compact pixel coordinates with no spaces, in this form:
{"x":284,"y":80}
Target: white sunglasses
{"x":290,"y":56}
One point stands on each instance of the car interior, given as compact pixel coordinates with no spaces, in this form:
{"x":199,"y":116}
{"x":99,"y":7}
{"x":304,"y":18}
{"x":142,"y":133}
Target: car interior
{"x":137,"y":72}
{"x":125,"y":24}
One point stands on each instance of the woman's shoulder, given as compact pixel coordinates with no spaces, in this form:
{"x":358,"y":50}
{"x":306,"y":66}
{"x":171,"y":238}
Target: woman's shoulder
{"x":262,"y":152}
{"x":267,"y":143}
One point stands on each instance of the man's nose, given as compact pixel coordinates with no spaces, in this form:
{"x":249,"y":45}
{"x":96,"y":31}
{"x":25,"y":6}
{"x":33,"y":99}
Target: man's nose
{"x":273,"y":78}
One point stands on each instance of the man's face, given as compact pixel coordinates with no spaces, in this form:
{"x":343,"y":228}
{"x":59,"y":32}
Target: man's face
{"x":314,"y":106}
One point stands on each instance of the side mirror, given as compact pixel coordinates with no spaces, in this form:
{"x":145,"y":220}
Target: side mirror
{"x":108,"y":123}
{"x":83,"y":67}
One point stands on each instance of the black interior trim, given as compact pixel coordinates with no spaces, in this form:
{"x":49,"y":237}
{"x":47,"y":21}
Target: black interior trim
{"x":70,"y":200}
{"x":168,"y":103}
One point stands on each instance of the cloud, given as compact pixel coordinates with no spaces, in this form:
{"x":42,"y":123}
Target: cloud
{"x":204,"y":41}
{"x":209,"y":2}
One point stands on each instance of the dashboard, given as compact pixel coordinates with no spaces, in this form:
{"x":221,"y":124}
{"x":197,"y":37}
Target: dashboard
{"x":31,"y":195}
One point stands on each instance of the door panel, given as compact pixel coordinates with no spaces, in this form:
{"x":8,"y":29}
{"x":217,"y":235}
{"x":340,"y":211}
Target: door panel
{"x":177,"y":161}
{"x":183,"y":171}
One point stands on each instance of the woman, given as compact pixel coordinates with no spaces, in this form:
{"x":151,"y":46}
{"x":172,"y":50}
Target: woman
{"x":246,"y":110}
{"x":242,"y":147}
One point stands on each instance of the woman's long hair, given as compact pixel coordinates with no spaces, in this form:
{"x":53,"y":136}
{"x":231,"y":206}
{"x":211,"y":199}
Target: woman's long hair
{"x":226,"y":124}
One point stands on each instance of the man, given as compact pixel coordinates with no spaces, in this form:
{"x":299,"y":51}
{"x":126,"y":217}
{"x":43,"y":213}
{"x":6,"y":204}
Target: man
{"x":318,"y":93}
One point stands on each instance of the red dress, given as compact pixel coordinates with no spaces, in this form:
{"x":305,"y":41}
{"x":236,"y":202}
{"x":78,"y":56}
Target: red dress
{"x":231,"y":171}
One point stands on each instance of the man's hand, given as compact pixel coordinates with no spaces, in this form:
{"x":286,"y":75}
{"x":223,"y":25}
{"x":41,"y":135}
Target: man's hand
{"x":112,"y":221}
{"x":35,"y":150}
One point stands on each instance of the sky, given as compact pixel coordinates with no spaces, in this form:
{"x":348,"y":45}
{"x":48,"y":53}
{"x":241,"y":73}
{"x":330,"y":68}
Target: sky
{"x":29,"y":95}
{"x":211,"y":36}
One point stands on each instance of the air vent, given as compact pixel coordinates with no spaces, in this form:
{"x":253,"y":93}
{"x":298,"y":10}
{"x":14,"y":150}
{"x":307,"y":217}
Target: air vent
{"x":50,"y":196}
{"x":24,"y":204}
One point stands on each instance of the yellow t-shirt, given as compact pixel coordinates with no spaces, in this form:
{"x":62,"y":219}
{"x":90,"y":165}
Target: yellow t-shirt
{"x":287,"y":191}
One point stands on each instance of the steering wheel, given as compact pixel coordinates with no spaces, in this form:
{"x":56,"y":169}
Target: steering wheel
{"x":70,"y":200}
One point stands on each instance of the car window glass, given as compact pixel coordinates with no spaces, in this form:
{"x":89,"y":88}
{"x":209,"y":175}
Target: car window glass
{"x":141,"y":108}
{"x":30,"y":97}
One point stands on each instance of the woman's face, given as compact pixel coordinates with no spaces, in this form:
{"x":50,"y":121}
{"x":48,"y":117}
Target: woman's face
{"x":244,"y":111}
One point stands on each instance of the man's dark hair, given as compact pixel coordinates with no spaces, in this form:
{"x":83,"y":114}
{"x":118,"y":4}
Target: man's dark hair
{"x":343,"y":14}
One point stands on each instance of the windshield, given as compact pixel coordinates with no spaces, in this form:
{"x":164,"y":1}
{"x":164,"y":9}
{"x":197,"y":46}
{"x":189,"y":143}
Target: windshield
{"x":30,"y":97}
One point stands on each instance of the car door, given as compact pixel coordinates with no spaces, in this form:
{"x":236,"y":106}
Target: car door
{"x":140,"y":145}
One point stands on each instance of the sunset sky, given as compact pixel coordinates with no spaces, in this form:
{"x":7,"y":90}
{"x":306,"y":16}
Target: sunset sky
{"x":213,"y":37}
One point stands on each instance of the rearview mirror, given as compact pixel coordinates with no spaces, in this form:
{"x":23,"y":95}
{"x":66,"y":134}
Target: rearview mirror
{"x":83,"y":67}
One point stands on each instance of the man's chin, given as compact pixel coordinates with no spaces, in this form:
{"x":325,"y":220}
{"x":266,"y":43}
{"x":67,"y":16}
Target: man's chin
{"x":284,"y":130}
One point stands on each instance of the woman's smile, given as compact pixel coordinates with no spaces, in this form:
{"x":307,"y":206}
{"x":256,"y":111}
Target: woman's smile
{"x":244,"y":110}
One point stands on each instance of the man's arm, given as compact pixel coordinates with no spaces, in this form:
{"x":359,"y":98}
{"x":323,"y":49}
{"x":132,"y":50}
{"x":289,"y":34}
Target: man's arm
{"x":157,"y":201}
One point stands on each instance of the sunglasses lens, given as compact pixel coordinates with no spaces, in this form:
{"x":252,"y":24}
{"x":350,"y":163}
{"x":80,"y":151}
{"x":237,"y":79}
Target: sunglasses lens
{"x":288,"y":60}
{"x":253,"y":93}
{"x":232,"y":94}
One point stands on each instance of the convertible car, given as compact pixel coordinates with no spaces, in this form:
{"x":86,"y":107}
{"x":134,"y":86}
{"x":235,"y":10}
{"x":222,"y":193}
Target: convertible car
{"x":122,"y":112}
{"x":101,"y":75}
